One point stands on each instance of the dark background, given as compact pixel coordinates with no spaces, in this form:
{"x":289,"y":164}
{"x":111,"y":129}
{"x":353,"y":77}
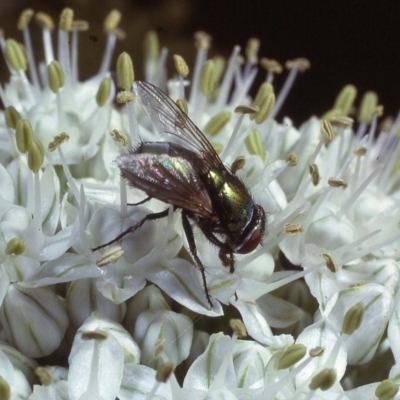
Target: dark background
{"x":349,"y":41}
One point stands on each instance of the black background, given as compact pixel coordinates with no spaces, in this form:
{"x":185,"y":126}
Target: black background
{"x":349,"y":41}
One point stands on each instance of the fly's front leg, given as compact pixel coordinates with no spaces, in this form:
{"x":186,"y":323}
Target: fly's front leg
{"x":149,"y":217}
{"x":193,"y":250}
{"x":227,"y":258}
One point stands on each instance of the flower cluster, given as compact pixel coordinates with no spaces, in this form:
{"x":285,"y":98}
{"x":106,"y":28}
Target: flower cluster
{"x":309,"y":314}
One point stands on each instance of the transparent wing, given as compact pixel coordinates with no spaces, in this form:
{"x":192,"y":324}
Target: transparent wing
{"x":154,"y":174}
{"x":169,"y":119}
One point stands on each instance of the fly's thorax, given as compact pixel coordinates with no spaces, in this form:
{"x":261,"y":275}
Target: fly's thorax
{"x":231,"y":200}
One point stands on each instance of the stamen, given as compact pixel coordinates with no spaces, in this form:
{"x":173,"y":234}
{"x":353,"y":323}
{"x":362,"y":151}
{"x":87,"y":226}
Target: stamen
{"x":35,"y":155}
{"x":125,"y":71}
{"x":345,"y":99}
{"x":293,"y":229}
{"x":315,"y":177}
{"x":58,"y":140}
{"x":15,"y":246}
{"x":353,"y":318}
{"x":228,"y":78}
{"x":151,"y":55}
{"x":368,"y":106}
{"x":206,"y":84}
{"x":386,"y":390}
{"x":103,"y":93}
{"x":292,"y":355}
{"x":110,"y":25}
{"x":217,"y":123}
{"x":125,"y":97}
{"x":182,"y":105}
{"x":183,"y":71}
{"x":292,"y":159}
{"x":44,"y":375}
{"x":254,"y":144}
{"x":64,"y":26}
{"x":272,"y":67}
{"x":324,"y":380}
{"x":11,"y":117}
{"x":337,"y":182}
{"x":238,"y":328}
{"x":295,"y":66}
{"x":238,"y":164}
{"x":329,"y":262}
{"x":120,"y":137}
{"x":110,"y":256}
{"x":23,"y":25}
{"x":47,"y":25}
{"x":76,"y":27}
{"x":23,"y":135}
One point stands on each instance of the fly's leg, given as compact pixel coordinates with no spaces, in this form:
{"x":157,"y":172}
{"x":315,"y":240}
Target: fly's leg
{"x":227,"y":258}
{"x":140,"y":202}
{"x":149,"y":217}
{"x":193,"y":250}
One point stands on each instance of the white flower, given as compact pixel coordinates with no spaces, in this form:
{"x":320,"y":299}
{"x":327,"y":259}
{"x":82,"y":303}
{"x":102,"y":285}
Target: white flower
{"x":137,"y":309}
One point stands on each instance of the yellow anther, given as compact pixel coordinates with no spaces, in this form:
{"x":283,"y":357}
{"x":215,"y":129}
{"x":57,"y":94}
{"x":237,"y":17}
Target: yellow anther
{"x":246,"y":109}
{"x":111,"y":21}
{"x":112,"y":255}
{"x":217,"y":122}
{"x":120,"y":137}
{"x":125,"y":71}
{"x":44,"y":20}
{"x":151,"y":44}
{"x":292,"y":159}
{"x":55,"y":76}
{"x":24,"y":18}
{"x":353,"y":318}
{"x":124,"y":97}
{"x":253,"y":45}
{"x":23,"y":135}
{"x":293,"y":229}
{"x":97,"y":334}
{"x":329,"y":262}
{"x":324,"y":380}
{"x":202,"y":40}
{"x":103,"y":93}
{"x":337,"y":183}
{"x":345,"y":99}
{"x":368,"y":106}
{"x":181,"y":66}
{"x":15,"y":55}
{"x":301,"y":64}
{"x":327,"y":130}
{"x":207,"y":81}
{"x":182,"y":105}
{"x":238,"y":327}
{"x":35,"y":155}
{"x":15,"y":246}
{"x":271,"y":65}
{"x":292,"y":355}
{"x":66,"y":18}
{"x":11,"y":116}
{"x":238,"y":164}
{"x":254,"y":144}
{"x":164,"y":372}
{"x":266,"y":107}
{"x":315,"y":177}
{"x":44,"y":375}
{"x":58,"y":140}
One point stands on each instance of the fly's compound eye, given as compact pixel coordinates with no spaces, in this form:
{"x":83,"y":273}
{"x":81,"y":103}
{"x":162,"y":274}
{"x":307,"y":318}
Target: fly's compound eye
{"x":254,"y":237}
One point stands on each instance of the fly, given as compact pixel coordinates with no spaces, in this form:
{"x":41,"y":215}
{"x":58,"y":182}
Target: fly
{"x":188,"y":173}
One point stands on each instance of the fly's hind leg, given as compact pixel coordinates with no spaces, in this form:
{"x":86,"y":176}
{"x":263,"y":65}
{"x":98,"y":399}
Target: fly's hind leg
{"x":193,"y":250}
{"x":145,"y":200}
{"x":133,"y":228}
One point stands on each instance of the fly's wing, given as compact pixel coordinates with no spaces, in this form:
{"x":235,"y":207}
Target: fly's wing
{"x":169,"y":119}
{"x":171,"y":180}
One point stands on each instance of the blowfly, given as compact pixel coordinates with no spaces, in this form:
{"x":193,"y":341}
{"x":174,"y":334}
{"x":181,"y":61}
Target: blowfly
{"x":187,"y":172}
